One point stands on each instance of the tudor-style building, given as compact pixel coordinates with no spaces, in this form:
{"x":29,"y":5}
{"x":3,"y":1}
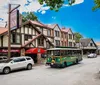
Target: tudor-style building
{"x":56,"y":34}
{"x":26,"y":36}
{"x":67,"y":37}
{"x":87,"y":45}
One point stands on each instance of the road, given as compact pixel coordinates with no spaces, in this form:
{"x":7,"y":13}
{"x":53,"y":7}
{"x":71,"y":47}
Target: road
{"x":85,"y":73}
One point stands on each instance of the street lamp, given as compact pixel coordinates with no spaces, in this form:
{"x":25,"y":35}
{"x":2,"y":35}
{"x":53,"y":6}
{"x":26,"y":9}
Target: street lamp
{"x":9,"y":28}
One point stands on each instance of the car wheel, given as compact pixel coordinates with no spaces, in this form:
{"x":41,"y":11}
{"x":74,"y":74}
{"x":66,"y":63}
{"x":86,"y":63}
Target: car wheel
{"x":6,"y":70}
{"x":29,"y":66}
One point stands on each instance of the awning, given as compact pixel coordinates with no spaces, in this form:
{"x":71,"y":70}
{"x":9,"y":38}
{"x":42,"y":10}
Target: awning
{"x":5,"y":51}
{"x":35,"y":51}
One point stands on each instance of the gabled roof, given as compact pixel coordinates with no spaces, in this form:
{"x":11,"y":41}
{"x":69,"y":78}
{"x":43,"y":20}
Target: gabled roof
{"x":66,"y":30}
{"x":39,"y":24}
{"x":53,"y":26}
{"x":86,"y":41}
{"x":3,"y":30}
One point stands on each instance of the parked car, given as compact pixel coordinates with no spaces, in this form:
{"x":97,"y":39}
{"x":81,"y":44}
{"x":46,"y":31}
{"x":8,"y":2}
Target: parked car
{"x":92,"y":55}
{"x":16,"y":63}
{"x":3,"y":58}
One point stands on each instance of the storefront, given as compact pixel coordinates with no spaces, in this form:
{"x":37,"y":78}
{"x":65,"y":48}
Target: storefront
{"x":14,"y":52}
{"x":37,"y":54}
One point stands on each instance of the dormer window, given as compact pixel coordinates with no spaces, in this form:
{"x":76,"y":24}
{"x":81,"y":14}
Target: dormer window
{"x":91,"y":44}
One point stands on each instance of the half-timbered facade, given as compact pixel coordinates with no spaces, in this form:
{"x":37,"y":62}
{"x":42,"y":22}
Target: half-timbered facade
{"x":56,"y":32}
{"x":23,"y":38}
{"x":67,"y":37}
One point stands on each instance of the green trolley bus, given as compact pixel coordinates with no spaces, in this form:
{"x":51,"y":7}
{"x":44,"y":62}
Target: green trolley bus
{"x":62,"y":57}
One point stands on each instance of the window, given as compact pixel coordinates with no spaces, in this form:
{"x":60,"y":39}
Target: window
{"x":28,"y":58}
{"x":65,"y":43}
{"x":57,"y":42}
{"x":28,"y":37}
{"x":48,"y":45}
{"x":22,"y":59}
{"x":66,"y":36}
{"x":18,"y":39}
{"x":70,"y":36}
{"x":62,"y":35}
{"x":40,"y":41}
{"x":70,"y":44}
{"x":19,"y":60}
{"x":57,"y":34}
{"x":41,"y":29}
{"x":16,"y":60}
{"x":62,"y":43}
{"x":49,"y":33}
{"x":0,"y":58}
{"x":15,"y":38}
{"x":91,"y":44}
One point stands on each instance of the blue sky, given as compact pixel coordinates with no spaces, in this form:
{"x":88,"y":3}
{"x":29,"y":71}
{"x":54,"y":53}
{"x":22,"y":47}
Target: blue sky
{"x":79,"y":17}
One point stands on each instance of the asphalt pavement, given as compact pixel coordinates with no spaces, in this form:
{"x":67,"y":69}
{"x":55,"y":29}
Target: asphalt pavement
{"x":84,"y":73}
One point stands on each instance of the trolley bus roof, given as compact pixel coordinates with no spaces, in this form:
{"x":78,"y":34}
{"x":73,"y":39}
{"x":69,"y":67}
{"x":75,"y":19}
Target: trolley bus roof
{"x":64,"y":49}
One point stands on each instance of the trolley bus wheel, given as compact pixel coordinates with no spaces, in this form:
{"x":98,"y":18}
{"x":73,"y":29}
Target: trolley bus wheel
{"x":76,"y":61}
{"x":65,"y":64}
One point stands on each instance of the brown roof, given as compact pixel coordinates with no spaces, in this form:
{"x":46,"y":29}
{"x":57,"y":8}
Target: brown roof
{"x":65,"y":30}
{"x":86,"y":41}
{"x":51,"y":25}
{"x":39,"y":24}
{"x":3,"y":30}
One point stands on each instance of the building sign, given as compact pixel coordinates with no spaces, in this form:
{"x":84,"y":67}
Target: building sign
{"x":14,"y":19}
{"x":5,"y":51}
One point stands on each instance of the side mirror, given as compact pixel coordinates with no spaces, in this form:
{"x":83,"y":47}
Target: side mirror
{"x":12,"y":62}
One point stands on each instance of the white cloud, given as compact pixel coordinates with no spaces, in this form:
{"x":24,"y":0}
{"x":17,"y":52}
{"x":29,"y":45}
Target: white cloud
{"x":76,"y":2}
{"x":32,"y":5}
{"x":53,"y":17}
{"x":43,"y":12}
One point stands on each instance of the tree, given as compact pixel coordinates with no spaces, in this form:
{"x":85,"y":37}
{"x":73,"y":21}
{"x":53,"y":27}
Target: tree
{"x":29,"y":16}
{"x":78,"y":36}
{"x":97,"y":4}
{"x":56,"y":4}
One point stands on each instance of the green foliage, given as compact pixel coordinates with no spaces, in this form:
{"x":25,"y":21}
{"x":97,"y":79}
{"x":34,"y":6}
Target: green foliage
{"x":97,"y":4}
{"x":29,"y":16}
{"x":78,"y":36}
{"x":55,"y":4}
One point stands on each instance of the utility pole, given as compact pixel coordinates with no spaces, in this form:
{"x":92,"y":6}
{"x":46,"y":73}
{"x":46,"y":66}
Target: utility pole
{"x":9,"y":28}
{"x":9,"y":33}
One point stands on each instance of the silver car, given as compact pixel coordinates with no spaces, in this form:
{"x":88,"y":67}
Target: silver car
{"x":3,"y":58}
{"x":16,"y":63}
{"x":92,"y":55}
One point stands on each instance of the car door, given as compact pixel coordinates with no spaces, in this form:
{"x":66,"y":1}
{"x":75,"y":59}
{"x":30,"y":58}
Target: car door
{"x":23,"y":62}
{"x":15,"y":64}
{"x":18,"y":63}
